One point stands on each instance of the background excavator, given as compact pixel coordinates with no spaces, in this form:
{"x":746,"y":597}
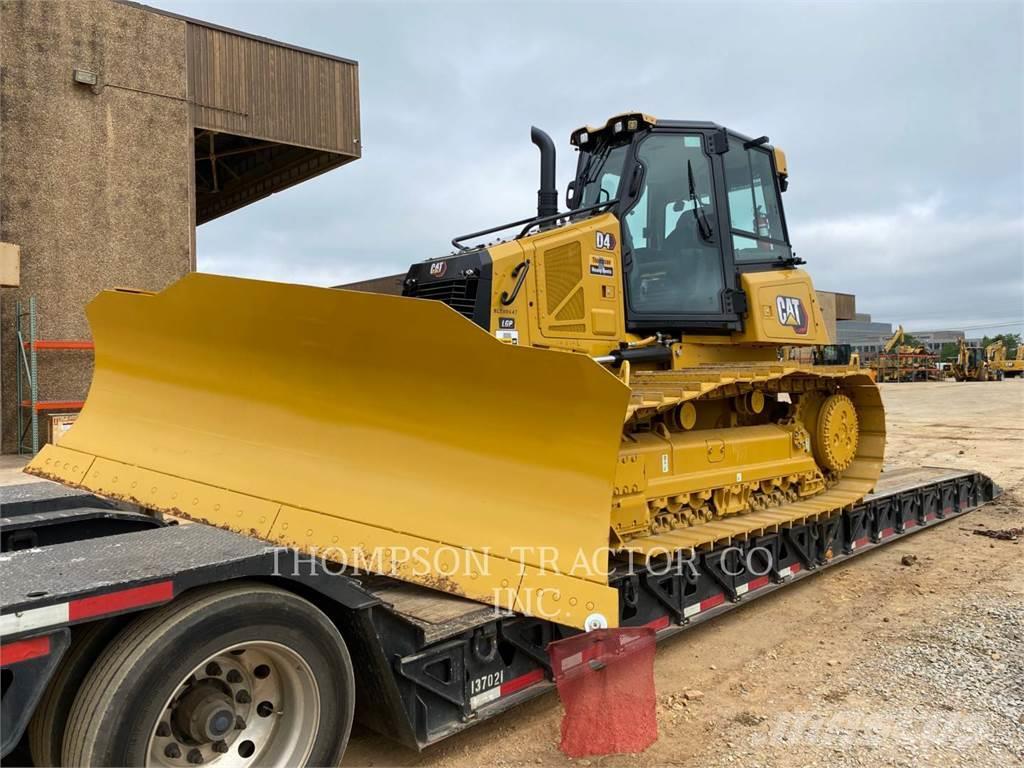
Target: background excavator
{"x":896,"y":343}
{"x":900,"y":361}
{"x":605,"y":379}
{"x":1001,"y":364}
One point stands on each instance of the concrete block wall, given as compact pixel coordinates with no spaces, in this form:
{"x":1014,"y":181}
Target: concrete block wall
{"x":95,"y":182}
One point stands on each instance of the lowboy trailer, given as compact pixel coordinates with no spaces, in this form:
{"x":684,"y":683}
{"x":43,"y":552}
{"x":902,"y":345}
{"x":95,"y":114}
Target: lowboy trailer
{"x":102,"y":605}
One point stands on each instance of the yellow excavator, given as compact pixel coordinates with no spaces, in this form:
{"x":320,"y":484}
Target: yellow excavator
{"x":1001,"y":364}
{"x":896,"y":344}
{"x":899,"y":361}
{"x":1014,"y":366}
{"x":600,"y":380}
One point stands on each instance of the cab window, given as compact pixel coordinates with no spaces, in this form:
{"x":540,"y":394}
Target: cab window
{"x":601,"y":183}
{"x":671,"y":231}
{"x":754,"y":210}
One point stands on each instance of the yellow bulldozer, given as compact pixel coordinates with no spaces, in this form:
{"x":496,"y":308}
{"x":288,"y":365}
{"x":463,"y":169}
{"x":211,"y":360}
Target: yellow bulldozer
{"x":600,"y":380}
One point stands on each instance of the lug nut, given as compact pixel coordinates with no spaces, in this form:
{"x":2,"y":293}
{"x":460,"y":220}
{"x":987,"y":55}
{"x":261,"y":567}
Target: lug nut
{"x":239,"y":723}
{"x":234,"y":676}
{"x":163,"y":730}
{"x":220,"y":746}
{"x":213,"y":669}
{"x":243,"y":697}
{"x":195,"y":756}
{"x":172,"y":751}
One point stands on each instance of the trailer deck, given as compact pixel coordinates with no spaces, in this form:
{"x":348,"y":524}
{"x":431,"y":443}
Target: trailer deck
{"x":437,"y":663}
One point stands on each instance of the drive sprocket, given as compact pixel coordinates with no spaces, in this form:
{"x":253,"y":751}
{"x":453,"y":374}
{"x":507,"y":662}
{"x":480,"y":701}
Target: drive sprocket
{"x":837,"y":433}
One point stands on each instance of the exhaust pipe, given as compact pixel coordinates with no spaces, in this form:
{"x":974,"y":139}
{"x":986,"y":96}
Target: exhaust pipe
{"x":547,"y":195}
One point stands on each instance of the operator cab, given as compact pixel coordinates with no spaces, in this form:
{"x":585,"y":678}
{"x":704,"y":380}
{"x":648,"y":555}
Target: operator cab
{"x":698,"y":204}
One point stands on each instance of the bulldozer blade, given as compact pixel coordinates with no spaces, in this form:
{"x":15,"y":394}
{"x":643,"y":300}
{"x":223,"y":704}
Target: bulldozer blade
{"x":382,"y":432}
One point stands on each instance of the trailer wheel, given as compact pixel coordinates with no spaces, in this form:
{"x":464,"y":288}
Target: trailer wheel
{"x":232,"y":675}
{"x":46,"y":728}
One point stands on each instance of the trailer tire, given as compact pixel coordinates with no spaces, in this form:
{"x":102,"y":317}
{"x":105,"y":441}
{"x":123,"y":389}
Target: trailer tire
{"x":47,"y":726}
{"x":165,"y":689}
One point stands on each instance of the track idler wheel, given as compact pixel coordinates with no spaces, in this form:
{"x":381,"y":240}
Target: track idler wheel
{"x":836,"y":433}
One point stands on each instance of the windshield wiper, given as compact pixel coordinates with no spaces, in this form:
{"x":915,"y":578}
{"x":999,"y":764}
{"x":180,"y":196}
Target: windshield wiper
{"x":592,"y":169}
{"x":698,"y":209}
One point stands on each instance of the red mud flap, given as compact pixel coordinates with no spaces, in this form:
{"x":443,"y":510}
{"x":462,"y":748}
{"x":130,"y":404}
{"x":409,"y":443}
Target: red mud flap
{"x":605,"y":680}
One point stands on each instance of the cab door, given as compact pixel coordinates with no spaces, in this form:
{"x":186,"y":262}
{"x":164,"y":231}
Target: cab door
{"x":678,"y":267}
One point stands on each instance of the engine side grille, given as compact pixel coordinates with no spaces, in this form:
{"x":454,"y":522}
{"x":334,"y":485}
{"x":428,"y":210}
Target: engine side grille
{"x":459,"y":293}
{"x":564,"y":270}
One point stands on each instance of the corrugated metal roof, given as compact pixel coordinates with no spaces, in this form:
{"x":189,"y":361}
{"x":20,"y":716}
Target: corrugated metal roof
{"x":268,"y":91}
{"x":240,"y":33}
{"x":266,"y":115}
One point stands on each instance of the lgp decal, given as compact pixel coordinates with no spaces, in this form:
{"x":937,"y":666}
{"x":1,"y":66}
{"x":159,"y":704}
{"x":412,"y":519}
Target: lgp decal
{"x":438,"y":268}
{"x":601,"y":265}
{"x":790,"y":311}
{"x":506,"y":323}
{"x":605,"y":241}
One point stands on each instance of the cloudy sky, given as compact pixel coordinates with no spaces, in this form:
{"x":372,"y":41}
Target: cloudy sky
{"x":903,"y":125}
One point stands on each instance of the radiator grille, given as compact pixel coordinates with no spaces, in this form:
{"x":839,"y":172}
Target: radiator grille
{"x":574,"y":308}
{"x":563,"y":271}
{"x":459,"y":293}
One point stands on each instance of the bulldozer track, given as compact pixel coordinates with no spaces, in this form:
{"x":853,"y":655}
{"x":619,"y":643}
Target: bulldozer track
{"x":654,"y":392}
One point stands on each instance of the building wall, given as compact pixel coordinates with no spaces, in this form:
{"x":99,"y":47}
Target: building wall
{"x":865,"y":336}
{"x":934,"y":340}
{"x":94,"y":183}
{"x":827,"y":303}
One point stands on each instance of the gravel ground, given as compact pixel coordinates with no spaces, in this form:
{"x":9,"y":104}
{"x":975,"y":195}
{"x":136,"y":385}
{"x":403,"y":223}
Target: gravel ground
{"x":950,"y":693}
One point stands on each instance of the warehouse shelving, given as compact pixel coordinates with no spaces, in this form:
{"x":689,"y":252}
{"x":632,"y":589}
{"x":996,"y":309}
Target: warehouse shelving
{"x":28,"y":376}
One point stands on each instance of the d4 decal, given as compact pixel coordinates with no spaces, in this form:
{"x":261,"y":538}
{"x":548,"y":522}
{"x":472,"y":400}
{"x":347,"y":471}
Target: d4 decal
{"x":791,"y":312}
{"x":605,"y":241}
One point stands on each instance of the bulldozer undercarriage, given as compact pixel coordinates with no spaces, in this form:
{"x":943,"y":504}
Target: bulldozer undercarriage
{"x":718,"y":453}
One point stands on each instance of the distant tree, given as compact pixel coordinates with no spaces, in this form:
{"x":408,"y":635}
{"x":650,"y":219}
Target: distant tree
{"x":1010,"y":341}
{"x":909,"y":340}
{"x":949,"y":352}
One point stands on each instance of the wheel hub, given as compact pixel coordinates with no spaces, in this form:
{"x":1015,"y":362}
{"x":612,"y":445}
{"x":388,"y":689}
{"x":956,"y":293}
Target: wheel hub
{"x":251,"y":704}
{"x":205,"y":713}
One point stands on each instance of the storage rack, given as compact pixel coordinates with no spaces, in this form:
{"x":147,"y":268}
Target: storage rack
{"x":29,"y":346}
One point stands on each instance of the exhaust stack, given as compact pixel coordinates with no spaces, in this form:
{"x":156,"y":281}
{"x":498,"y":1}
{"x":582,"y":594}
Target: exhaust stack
{"x":547,"y":195}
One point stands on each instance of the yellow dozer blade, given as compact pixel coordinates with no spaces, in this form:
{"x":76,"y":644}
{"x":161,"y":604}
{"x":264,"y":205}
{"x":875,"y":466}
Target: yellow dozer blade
{"x":382,"y":432}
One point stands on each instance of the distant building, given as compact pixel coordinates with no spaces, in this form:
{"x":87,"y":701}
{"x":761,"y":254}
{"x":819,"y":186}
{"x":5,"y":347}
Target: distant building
{"x":869,"y":337}
{"x":123,"y":128}
{"x":835,"y":307}
{"x":934,"y":340}
{"x":863,"y":334}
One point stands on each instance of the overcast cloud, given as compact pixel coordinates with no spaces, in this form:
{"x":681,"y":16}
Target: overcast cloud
{"x":903,"y":126}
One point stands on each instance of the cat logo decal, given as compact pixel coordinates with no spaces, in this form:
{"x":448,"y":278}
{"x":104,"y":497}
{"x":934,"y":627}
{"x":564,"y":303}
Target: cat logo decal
{"x":791,"y":312}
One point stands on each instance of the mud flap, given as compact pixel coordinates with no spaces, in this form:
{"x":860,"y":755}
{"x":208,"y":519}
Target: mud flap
{"x":384,"y":432}
{"x":605,"y":681}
